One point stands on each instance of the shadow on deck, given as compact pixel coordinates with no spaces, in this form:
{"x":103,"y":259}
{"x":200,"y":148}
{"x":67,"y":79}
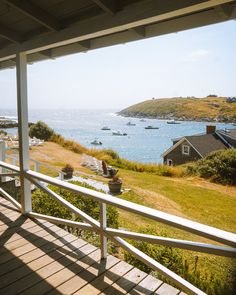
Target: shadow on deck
{"x":37,"y":257}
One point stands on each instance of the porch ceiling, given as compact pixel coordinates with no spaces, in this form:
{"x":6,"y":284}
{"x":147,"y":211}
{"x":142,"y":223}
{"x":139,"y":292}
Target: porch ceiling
{"x":47,"y":29}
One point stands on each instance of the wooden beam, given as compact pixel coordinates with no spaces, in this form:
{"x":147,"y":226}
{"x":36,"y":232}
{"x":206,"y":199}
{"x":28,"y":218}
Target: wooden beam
{"x":9,"y":34}
{"x":110,"y":6}
{"x":86,"y":44}
{"x":140,"y":31}
{"x":47,"y":53}
{"x":135,"y":15}
{"x":224,"y":11}
{"x":35,"y":12}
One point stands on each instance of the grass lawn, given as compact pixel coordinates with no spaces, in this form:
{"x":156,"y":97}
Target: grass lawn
{"x":194,"y":199}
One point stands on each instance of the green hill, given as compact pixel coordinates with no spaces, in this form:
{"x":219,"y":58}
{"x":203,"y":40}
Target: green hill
{"x":181,"y":108}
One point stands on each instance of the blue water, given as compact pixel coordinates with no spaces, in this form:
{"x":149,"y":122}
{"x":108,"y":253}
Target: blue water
{"x":140,"y":145}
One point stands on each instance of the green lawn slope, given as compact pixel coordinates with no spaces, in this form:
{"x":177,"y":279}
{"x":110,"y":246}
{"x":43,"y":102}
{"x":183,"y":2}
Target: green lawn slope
{"x":180,"y":108}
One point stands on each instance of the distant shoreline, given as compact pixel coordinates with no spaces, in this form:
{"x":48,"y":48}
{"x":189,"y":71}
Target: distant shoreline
{"x":175,"y":118}
{"x":207,"y":109}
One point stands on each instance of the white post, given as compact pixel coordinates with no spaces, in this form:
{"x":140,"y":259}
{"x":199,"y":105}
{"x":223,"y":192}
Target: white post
{"x":103,"y":224}
{"x":2,"y":158}
{"x":22,"y":109}
{"x":36,"y":166}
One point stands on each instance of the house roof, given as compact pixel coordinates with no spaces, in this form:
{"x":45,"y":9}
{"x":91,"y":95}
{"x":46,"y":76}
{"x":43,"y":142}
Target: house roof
{"x":207,"y":143}
{"x":202,"y":143}
{"x":229,"y":133}
{"x":47,"y":29}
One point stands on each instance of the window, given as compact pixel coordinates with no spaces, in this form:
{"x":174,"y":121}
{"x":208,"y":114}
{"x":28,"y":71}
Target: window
{"x":169,"y":162}
{"x":185,"y":149}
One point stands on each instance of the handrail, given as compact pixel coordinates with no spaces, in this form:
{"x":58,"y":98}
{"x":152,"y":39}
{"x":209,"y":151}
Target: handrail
{"x":115,"y":235}
{"x":39,"y":163}
{"x":176,"y":221}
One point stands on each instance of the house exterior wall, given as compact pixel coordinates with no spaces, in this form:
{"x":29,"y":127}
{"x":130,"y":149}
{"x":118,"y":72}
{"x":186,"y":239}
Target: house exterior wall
{"x":179,"y":158}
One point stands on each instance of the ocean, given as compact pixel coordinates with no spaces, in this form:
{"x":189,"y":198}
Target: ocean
{"x":140,"y":144}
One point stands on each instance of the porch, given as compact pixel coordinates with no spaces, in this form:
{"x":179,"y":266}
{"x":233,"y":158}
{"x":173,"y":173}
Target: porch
{"x":32,"y":31}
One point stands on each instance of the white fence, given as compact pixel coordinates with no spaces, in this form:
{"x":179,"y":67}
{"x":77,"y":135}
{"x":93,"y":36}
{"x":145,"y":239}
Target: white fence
{"x":116,"y":235}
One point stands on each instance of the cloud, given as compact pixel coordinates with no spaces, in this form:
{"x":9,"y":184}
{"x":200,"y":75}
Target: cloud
{"x":196,"y":55}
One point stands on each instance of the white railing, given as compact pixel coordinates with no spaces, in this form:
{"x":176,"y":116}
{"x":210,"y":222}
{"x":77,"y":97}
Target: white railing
{"x":117,"y":235}
{"x":37,"y":164}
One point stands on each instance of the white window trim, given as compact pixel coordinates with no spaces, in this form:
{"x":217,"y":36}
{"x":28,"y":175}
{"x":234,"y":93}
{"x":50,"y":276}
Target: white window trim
{"x":169,"y":162}
{"x":188,"y":148}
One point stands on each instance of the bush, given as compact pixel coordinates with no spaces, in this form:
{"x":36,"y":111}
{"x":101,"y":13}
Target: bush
{"x":219,"y":166}
{"x":3,"y":132}
{"x":41,"y":130}
{"x":68,"y":144}
{"x":173,"y":260}
{"x":44,"y":204}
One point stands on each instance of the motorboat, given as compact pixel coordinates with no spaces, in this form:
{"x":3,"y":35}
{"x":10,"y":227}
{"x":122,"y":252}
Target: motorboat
{"x":151,"y":127}
{"x":130,"y":124}
{"x":118,"y":133}
{"x":105,"y":128}
{"x":96,"y":142}
{"x":172,"y":122}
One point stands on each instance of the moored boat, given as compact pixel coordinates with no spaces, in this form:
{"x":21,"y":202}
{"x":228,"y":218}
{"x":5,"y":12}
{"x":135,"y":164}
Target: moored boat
{"x":172,"y":122}
{"x":130,"y":124}
{"x":151,"y":127}
{"x":105,"y":128}
{"x":118,"y":133}
{"x":96,"y":142}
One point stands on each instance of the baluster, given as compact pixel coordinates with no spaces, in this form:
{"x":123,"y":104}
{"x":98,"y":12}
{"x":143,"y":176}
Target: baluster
{"x":36,"y":166}
{"x":103,"y":224}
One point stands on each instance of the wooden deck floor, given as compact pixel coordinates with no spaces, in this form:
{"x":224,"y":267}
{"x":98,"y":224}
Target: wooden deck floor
{"x":37,"y":257}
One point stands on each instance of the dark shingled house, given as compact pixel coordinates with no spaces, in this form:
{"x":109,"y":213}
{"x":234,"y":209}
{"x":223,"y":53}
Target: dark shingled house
{"x":195,"y":147}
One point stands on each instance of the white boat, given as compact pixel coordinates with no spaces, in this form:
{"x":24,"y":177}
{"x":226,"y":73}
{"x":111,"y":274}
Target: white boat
{"x":105,"y":128}
{"x":151,"y":127}
{"x":172,"y":122}
{"x":142,"y":120}
{"x":118,"y":133}
{"x":96,"y":142}
{"x":130,"y":124}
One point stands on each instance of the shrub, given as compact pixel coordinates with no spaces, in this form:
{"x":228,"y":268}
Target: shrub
{"x":173,"y":260}
{"x":44,"y":204}
{"x":68,"y":144}
{"x":219,"y":166}
{"x":3,"y":132}
{"x":41,"y":130}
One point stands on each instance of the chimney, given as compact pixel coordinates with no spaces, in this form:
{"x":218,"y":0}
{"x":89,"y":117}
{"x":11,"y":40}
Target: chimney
{"x":210,"y":129}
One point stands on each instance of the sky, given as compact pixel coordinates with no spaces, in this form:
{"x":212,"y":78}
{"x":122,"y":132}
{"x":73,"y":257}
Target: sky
{"x":196,"y":62}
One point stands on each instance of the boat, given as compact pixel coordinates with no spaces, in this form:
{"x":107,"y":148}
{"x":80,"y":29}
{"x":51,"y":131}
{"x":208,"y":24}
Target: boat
{"x":105,"y":128}
{"x":151,"y":127}
{"x":130,"y":124}
{"x":96,"y":142}
{"x":172,"y":122}
{"x":118,"y":133}
{"x":142,"y":120}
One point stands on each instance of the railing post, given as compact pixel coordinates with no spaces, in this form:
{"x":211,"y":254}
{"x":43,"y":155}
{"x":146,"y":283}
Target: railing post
{"x":36,"y":166}
{"x":103,"y":224}
{"x":22,"y":110}
{"x":61,"y":176}
{"x":2,"y":158}
{"x":14,"y":161}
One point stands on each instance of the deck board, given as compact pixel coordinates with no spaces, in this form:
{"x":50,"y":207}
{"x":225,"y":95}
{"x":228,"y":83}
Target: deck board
{"x":37,"y":257}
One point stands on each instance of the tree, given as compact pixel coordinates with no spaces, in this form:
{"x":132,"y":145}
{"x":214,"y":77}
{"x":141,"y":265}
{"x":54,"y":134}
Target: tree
{"x":41,"y":130}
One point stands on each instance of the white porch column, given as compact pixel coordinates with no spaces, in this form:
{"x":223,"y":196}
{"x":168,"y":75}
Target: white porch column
{"x":22,"y":109}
